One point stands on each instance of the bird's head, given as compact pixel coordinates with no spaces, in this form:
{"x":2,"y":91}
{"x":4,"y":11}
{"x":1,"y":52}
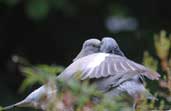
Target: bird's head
{"x":90,"y":46}
{"x":109,"y":45}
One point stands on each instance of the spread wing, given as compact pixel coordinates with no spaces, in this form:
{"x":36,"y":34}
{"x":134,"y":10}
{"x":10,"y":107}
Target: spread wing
{"x":101,"y":65}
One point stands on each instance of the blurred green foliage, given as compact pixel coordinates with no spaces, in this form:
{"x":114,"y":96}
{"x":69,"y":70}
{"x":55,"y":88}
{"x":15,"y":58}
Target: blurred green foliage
{"x":149,"y":61}
{"x":39,"y":74}
{"x":162,"y":44}
{"x":39,"y":9}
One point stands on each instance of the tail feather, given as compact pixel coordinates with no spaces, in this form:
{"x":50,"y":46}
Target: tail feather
{"x":14,"y":105}
{"x":149,"y":96}
{"x":9,"y":107}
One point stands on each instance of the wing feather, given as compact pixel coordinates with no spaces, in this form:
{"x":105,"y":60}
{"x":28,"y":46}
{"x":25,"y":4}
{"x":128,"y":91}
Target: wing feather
{"x":115,"y":68}
{"x":108,"y":65}
{"x":123,"y":66}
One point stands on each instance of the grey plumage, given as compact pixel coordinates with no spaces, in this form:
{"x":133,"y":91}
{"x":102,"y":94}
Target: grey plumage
{"x":103,"y":65}
{"x":110,"y":72}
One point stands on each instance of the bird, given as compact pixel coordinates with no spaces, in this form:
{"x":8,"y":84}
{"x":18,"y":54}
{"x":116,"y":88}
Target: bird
{"x":111,"y":71}
{"x":39,"y":98}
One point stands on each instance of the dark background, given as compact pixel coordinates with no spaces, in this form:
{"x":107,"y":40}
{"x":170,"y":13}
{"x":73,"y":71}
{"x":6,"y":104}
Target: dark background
{"x":52,"y":32}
